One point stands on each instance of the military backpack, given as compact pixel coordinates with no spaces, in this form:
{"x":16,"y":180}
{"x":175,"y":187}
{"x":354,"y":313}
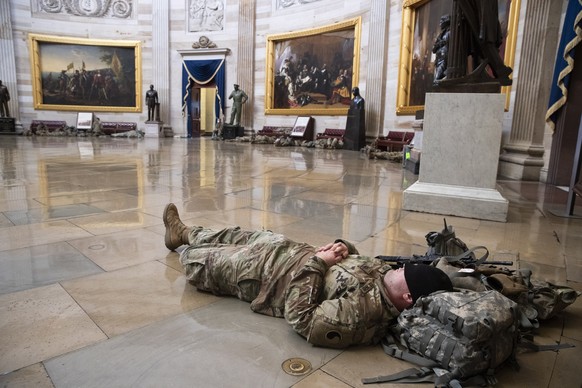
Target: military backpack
{"x":463,"y":334}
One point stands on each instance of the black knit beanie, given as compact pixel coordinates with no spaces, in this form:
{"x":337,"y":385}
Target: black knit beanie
{"x":423,"y":279}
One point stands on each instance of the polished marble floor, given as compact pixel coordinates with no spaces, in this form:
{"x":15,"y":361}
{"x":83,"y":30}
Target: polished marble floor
{"x":90,"y":296}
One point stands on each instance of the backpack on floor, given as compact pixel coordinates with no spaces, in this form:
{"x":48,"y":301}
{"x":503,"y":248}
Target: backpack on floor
{"x":464,"y":334}
{"x":445,"y":243}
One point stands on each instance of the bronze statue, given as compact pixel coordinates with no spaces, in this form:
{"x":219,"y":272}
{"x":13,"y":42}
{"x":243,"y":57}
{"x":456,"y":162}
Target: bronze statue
{"x":4,"y":98}
{"x":238,"y":97}
{"x":151,"y":98}
{"x":475,"y":31}
{"x":441,"y":48}
{"x":357,"y":102}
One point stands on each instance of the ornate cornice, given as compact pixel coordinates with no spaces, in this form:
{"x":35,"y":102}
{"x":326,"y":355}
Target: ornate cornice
{"x":96,"y":8}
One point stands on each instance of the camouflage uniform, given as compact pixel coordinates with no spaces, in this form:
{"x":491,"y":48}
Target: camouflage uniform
{"x":333,"y":307}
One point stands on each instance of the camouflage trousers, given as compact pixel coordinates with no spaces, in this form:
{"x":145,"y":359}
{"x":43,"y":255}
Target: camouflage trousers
{"x":254,"y":266}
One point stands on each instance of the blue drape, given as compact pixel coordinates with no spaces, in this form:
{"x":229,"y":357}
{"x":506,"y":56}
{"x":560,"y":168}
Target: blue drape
{"x":203,"y":72}
{"x":571,"y":36}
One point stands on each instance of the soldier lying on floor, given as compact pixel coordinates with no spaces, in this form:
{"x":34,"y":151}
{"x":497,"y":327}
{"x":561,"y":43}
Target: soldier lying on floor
{"x":332,"y":296}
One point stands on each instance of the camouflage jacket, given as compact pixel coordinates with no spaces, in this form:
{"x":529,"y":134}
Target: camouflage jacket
{"x":333,"y":307}
{"x":340,"y":306}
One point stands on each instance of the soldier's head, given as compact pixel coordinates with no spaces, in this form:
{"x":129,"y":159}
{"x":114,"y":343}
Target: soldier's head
{"x":235,"y":86}
{"x":405,"y":285}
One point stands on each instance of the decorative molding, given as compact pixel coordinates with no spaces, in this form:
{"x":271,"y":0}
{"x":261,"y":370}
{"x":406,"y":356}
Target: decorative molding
{"x":203,"y":42}
{"x":291,"y":3}
{"x":210,"y":52}
{"x":122,"y":9}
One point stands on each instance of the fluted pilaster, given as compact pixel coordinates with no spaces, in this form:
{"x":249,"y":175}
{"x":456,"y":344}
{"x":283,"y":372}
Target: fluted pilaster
{"x":523,"y":156}
{"x":8,"y":62}
{"x":161,"y":56}
{"x":376,"y":67}
{"x":246,"y":57}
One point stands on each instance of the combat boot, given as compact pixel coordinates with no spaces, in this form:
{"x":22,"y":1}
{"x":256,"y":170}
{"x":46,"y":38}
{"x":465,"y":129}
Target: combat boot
{"x":176,"y":231}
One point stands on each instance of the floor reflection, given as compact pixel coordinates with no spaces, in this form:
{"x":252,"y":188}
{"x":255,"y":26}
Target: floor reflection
{"x":85,"y":276}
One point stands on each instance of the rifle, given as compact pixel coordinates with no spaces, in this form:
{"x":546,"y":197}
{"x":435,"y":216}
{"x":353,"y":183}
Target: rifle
{"x":465,"y":259}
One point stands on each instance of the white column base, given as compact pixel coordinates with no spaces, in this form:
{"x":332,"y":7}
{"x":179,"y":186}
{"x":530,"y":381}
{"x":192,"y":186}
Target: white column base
{"x":153,"y":129}
{"x":470,"y":202}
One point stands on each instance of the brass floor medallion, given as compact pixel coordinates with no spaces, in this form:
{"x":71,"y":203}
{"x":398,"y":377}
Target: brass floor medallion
{"x":296,"y":366}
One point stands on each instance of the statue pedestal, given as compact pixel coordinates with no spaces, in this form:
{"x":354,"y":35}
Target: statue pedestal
{"x":7,"y":125}
{"x":230,"y":131}
{"x":355,"y":136}
{"x":153,"y":128}
{"x":460,"y":155}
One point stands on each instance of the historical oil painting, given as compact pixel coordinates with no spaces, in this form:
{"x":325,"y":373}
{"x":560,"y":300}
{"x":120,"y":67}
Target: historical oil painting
{"x":85,"y":74}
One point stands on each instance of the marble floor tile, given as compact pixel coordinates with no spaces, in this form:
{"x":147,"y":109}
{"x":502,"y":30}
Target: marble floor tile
{"x":21,"y":269}
{"x":5,"y":221}
{"x":253,"y":219}
{"x":31,"y":376}
{"x":42,"y":323}
{"x":9,"y":203}
{"x":297,"y":232}
{"x":115,"y":222}
{"x":86,"y":197}
{"x":573,"y":316}
{"x":22,"y":236}
{"x":239,"y":347}
{"x":297,"y":207}
{"x":211,"y":202}
{"x":133,"y":297}
{"x":567,"y":370}
{"x":50,"y":213}
{"x":122,"y":249}
{"x":364,"y":362}
{"x":172,"y":260}
{"x":319,"y":379}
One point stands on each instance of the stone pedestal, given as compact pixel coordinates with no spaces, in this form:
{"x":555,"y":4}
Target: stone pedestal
{"x":461,"y":142}
{"x":153,"y":129}
{"x":355,"y":137}
{"x":230,"y":131}
{"x":7,"y":125}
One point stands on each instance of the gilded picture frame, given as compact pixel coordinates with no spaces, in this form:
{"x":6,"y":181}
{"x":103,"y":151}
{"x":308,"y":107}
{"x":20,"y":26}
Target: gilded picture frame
{"x":76,"y":74}
{"x":420,"y":27}
{"x":312,"y":72}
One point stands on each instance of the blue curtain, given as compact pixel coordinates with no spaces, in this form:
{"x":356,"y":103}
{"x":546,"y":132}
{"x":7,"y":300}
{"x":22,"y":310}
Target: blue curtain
{"x":203,"y":72}
{"x":571,"y":36}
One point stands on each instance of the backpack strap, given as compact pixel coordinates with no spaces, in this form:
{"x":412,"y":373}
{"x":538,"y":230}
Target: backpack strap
{"x":412,"y":375}
{"x":528,"y":343}
{"x":467,"y":255}
{"x":391,"y":349}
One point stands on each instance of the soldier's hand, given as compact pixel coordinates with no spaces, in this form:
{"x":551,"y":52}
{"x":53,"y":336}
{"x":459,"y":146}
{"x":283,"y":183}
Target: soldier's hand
{"x":332,"y":253}
{"x":324,"y":248}
{"x":329,"y":256}
{"x":339,"y":248}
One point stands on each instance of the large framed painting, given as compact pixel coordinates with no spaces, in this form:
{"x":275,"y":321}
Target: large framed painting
{"x":420,"y":28}
{"x":85,"y":74}
{"x":311,"y":72}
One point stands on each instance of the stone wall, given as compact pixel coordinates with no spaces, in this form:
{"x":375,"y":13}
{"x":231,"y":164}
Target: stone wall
{"x":268,"y":20}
